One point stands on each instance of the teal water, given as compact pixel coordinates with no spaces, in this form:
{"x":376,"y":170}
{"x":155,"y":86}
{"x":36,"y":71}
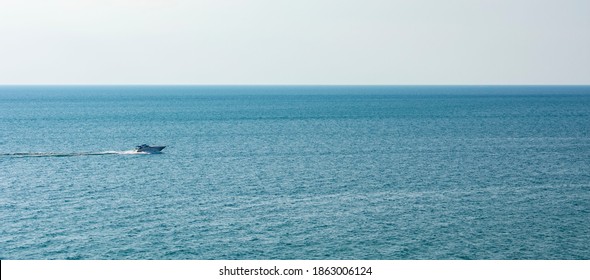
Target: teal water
{"x":295,"y":173}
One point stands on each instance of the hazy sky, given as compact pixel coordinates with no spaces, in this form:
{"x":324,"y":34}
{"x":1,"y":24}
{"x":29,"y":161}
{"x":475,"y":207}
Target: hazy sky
{"x":294,"y":42}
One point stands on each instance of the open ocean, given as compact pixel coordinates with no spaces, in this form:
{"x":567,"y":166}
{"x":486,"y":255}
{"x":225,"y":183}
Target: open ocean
{"x":287,"y":172}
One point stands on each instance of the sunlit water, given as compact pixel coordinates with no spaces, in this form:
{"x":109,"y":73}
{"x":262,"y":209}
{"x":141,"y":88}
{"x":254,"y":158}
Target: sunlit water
{"x":295,"y":173}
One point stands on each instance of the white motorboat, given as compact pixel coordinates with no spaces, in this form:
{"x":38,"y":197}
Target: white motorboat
{"x":149,"y":149}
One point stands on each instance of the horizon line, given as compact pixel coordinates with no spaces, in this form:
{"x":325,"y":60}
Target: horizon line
{"x":301,"y":85}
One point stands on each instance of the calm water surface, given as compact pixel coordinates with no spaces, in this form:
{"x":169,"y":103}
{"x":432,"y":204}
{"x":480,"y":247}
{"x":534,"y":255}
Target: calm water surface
{"x":295,"y":173}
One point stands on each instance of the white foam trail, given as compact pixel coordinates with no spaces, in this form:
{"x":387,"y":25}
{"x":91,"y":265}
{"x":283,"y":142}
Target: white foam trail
{"x":129,"y":152}
{"x":132,"y":152}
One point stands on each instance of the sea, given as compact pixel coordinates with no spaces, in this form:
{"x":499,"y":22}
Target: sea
{"x":295,"y":172}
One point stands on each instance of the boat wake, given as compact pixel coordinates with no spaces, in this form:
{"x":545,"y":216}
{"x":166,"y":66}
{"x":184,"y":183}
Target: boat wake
{"x":130,"y":152}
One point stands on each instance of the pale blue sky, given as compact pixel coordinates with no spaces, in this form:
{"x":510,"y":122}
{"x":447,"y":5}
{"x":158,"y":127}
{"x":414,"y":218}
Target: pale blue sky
{"x":417,"y":42}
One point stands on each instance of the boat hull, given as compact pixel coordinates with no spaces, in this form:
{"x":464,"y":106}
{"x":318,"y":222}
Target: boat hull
{"x":150,"y":149}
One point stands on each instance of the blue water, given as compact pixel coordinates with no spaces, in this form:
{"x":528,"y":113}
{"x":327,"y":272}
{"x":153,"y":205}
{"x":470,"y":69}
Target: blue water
{"x":295,"y":173}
